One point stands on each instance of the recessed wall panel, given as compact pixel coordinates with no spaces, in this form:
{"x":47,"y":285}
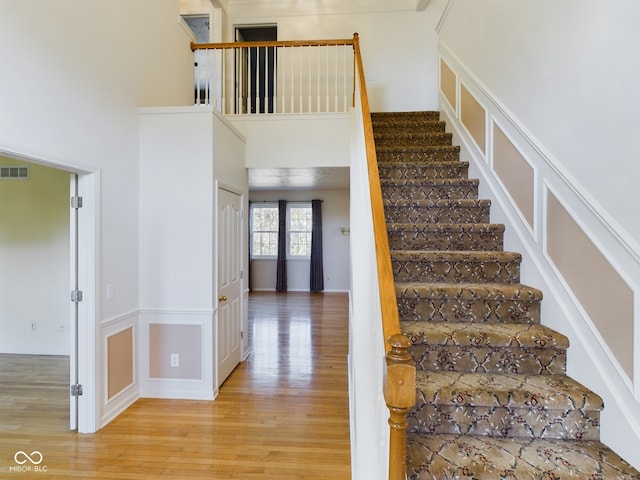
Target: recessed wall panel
{"x":448,"y":84}
{"x":604,"y":295}
{"x":183,"y":344}
{"x":515,"y":173}
{"x":473,"y":117}
{"x":119,"y":361}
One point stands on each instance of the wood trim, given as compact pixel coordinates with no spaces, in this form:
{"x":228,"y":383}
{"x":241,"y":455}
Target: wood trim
{"x":286,"y":43}
{"x":388,"y":302}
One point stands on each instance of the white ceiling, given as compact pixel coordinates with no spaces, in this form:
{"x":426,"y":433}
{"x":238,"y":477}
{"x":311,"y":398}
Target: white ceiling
{"x":235,"y":7}
{"x":334,"y":178}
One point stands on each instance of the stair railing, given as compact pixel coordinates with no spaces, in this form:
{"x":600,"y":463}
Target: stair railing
{"x":400,"y":376}
{"x":306,"y":76}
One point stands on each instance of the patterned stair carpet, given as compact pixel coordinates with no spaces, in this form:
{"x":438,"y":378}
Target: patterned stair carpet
{"x":493,"y":399}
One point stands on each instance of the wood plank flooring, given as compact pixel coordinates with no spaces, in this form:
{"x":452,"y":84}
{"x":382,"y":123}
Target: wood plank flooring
{"x":282,"y":414}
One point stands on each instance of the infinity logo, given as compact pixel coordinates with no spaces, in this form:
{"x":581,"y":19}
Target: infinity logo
{"x":35,"y":457}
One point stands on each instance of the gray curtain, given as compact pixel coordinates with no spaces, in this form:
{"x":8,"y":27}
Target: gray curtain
{"x":316,"y":283}
{"x":281,"y":268}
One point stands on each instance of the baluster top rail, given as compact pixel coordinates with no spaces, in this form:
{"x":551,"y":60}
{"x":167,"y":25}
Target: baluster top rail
{"x":272,"y":43}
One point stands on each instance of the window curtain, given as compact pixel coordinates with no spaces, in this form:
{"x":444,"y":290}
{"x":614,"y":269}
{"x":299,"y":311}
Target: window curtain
{"x":281,"y":268}
{"x":316,"y":283}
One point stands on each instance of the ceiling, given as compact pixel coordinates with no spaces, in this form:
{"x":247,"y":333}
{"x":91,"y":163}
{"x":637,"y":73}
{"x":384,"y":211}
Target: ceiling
{"x":317,"y":6}
{"x":325,"y":178}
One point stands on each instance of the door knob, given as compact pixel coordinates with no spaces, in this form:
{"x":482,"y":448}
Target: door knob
{"x":222,"y":298}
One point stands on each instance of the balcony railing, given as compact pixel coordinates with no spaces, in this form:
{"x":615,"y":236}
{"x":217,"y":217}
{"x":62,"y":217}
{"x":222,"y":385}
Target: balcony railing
{"x":309,"y":76}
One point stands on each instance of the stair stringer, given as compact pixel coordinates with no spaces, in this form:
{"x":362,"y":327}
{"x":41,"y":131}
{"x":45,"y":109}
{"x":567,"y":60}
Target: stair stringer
{"x":589,"y":361}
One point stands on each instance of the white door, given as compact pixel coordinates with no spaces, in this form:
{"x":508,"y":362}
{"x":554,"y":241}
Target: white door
{"x":75,"y":311}
{"x":229,"y":281}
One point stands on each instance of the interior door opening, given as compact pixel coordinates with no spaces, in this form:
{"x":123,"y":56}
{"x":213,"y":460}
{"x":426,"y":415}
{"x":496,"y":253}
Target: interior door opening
{"x":35,"y":323}
{"x":256,"y":70}
{"x":74,"y":233}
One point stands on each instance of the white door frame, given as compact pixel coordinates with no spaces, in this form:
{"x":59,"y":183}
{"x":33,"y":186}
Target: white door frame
{"x":88,"y":273}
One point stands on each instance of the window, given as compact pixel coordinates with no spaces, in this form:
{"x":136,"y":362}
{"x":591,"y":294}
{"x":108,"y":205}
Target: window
{"x":264,"y":230}
{"x":299,"y":234}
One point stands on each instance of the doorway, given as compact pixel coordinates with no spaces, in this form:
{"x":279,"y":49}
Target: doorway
{"x":256,"y":70}
{"x":49,"y":253}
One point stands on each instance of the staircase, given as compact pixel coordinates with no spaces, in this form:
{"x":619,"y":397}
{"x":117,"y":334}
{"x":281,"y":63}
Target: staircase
{"x":493,"y":399}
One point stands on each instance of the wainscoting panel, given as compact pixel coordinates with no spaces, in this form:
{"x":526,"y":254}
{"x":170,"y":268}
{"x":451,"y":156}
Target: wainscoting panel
{"x":474,"y":117}
{"x":604,"y":295}
{"x":515,"y":172}
{"x":449,"y":85}
{"x":177,"y":354}
{"x":120,"y":387}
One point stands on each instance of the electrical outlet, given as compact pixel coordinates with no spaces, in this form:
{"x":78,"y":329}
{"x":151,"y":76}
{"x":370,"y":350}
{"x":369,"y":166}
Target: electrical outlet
{"x":34,"y":326}
{"x":175,"y":360}
{"x":111,"y":291}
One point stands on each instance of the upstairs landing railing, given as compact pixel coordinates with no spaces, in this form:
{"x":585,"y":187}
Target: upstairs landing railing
{"x":308,"y":76}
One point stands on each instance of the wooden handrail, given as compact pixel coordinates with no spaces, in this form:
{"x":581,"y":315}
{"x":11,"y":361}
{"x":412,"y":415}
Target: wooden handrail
{"x":274,"y":43}
{"x":388,"y":302}
{"x":400,"y":374}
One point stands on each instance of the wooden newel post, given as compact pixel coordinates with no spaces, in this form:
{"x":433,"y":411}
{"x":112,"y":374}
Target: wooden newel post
{"x":400,"y":396}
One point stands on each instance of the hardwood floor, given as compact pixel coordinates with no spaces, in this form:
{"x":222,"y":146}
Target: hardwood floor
{"x":282,"y":414}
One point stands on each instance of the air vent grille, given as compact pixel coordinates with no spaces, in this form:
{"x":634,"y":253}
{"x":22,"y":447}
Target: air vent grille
{"x":14,"y":173}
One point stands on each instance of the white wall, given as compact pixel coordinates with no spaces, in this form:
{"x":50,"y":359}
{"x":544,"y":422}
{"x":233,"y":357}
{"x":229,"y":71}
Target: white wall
{"x":368,"y":411}
{"x":295,"y":141}
{"x":73,"y":75}
{"x":34,"y":262}
{"x":567,"y":99}
{"x":569,"y":73}
{"x":335,"y":214}
{"x":398,"y":44}
{"x":183,"y":152}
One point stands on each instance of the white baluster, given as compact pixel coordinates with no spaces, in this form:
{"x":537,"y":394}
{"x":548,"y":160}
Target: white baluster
{"x":300,"y":76}
{"x":292,"y":106}
{"x":337,"y":50}
{"x":327,"y":77}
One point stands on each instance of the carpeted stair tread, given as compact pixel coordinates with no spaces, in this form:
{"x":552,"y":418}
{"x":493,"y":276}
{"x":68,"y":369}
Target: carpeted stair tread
{"x":468,"y":334}
{"x":468,"y":291}
{"x":471,"y":302}
{"x":427,"y":182}
{"x":504,"y":390}
{"x":464,"y":210}
{"x":410,"y":170}
{"x":443,"y":457}
{"x":417,"y":153}
{"x":416,"y":114}
{"x":419,"y":124}
{"x":445,"y":236}
{"x":456,"y":266}
{"x":490,"y":348}
{"x":411,"y":138}
{"x":434,"y":189}
{"x":442,"y":203}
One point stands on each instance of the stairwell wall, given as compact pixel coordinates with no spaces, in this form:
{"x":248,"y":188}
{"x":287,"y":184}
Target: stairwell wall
{"x":571,"y":208}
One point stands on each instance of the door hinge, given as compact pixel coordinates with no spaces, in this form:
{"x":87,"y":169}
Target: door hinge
{"x":76,"y":296}
{"x":241,"y":274}
{"x":241,"y":335}
{"x":76,"y":202}
{"x":76,"y":390}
